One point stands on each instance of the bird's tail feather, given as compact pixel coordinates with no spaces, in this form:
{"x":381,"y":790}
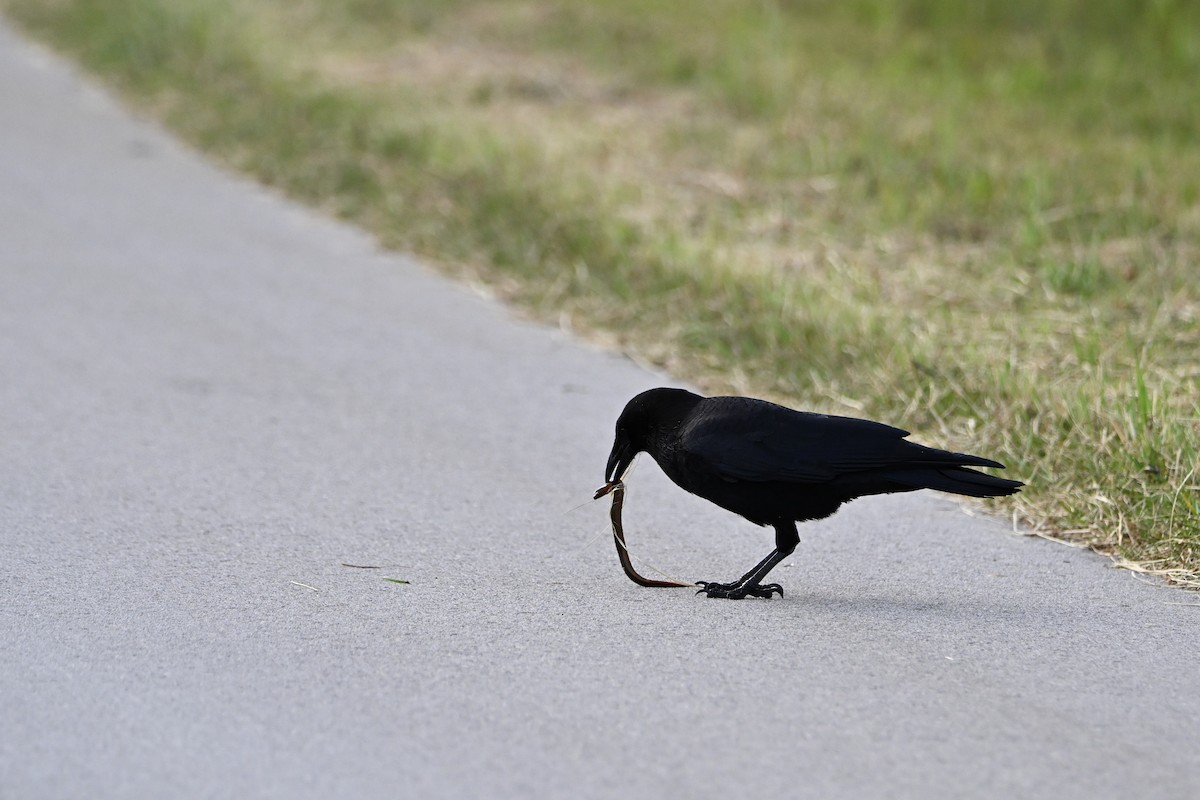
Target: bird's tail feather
{"x":956,"y":480}
{"x":919,"y":455}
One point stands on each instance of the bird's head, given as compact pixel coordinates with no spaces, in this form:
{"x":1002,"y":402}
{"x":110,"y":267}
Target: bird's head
{"x":643,"y":422}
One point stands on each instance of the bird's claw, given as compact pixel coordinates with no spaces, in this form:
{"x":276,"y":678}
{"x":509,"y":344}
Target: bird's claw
{"x":709,"y":586}
{"x":734,"y":591}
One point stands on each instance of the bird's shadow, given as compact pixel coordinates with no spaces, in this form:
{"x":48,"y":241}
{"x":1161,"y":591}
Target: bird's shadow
{"x":891,"y":606}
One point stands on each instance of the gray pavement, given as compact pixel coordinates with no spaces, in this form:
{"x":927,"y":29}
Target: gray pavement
{"x":209,"y":396}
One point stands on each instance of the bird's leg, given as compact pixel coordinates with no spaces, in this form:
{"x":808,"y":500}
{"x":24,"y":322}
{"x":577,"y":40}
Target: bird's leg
{"x":750,"y":584}
{"x":730,"y":586}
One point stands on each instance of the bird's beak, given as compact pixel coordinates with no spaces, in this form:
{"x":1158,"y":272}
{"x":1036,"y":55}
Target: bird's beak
{"x":619,"y":460}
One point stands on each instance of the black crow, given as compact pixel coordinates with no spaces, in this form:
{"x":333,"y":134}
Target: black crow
{"x":776,"y":466}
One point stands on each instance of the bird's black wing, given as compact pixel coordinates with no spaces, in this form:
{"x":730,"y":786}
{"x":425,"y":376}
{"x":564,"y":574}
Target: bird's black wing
{"x":759,"y":441}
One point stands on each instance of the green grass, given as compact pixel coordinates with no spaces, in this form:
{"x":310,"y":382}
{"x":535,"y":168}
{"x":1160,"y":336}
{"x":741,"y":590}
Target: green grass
{"x":978,"y":221}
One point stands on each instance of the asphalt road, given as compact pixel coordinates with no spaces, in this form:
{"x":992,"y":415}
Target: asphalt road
{"x":209,"y":397}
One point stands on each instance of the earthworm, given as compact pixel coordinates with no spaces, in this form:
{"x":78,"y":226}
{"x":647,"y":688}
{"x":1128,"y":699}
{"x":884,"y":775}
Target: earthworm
{"x":617,"y":488}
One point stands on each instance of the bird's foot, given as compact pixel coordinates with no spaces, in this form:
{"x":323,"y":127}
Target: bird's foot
{"x":709,"y":586}
{"x":736,"y":591}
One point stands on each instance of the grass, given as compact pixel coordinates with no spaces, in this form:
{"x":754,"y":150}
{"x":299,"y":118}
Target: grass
{"x":978,"y":221}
